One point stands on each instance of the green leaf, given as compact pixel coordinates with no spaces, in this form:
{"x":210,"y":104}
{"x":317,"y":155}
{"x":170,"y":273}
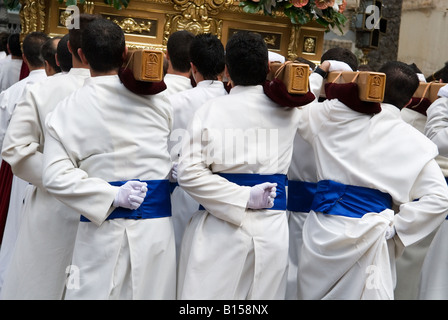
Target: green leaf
{"x":71,"y":3}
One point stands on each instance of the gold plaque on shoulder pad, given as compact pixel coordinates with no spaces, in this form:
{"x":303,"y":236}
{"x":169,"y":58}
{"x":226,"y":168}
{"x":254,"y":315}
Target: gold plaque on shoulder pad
{"x":146,"y":65}
{"x":295,"y":76}
{"x":371,"y":84}
{"x":428,"y":90}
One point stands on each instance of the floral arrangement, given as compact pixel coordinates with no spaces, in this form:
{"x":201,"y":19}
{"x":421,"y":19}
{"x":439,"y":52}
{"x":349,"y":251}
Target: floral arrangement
{"x":328,"y":13}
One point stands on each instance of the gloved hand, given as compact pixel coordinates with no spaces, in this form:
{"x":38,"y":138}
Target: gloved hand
{"x":173,"y":173}
{"x":262,"y":196}
{"x":443,"y":92}
{"x":131,"y":195}
{"x":390,"y":232}
{"x":338,"y":66}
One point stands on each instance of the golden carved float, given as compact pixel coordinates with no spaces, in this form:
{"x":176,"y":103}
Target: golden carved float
{"x":149,"y":23}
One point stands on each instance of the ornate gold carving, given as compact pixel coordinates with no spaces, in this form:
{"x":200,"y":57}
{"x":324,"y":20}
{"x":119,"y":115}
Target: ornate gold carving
{"x":129,"y":25}
{"x":89,"y":6}
{"x":32,"y":16}
{"x":196,"y":17}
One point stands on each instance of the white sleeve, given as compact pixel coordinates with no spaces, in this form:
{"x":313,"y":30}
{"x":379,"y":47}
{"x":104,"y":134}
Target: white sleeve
{"x":416,"y":219}
{"x":91,"y":197}
{"x":436,"y":127}
{"x":22,"y":146}
{"x":223,"y":199}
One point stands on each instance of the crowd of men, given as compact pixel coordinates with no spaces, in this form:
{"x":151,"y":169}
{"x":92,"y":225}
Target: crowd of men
{"x":215,"y":183}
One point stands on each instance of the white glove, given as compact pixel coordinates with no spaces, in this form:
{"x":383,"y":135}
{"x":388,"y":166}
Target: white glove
{"x":443,"y":92}
{"x":262,"y":196}
{"x":338,"y":66}
{"x":131,"y":195}
{"x":390,"y":232}
{"x":173,"y":175}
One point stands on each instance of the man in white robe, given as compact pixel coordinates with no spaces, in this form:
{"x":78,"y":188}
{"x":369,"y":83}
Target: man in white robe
{"x":44,"y":246}
{"x":207,"y":65}
{"x":365,"y":162}
{"x":106,"y":156}
{"x":410,"y":263}
{"x":10,"y":70}
{"x":302,"y":173}
{"x":9,"y":99}
{"x":177,"y":77}
{"x":434,"y":281}
{"x":234,"y":165}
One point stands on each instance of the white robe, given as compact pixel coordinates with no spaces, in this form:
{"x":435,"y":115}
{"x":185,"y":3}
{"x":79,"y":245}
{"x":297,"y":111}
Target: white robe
{"x":409,"y":264}
{"x":8,"y":101}
{"x":46,"y":238}
{"x":302,"y":168}
{"x":184,"y":105}
{"x":99,"y":134}
{"x":175,"y":84}
{"x":434,"y":281}
{"x":228,"y":251}
{"x":10,"y":73}
{"x":349,"y":258}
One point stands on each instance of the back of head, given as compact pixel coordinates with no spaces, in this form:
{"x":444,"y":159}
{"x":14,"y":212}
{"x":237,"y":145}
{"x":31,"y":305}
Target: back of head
{"x":444,"y":73}
{"x":32,"y":45}
{"x":178,"y":49}
{"x":64,"y":55}
{"x":75,"y":34}
{"x":207,"y":54}
{"x":14,"y":45}
{"x":48,"y":52}
{"x":103,"y":44}
{"x":247,"y":58}
{"x":343,"y":55}
{"x":4,"y":41}
{"x":401,"y":83}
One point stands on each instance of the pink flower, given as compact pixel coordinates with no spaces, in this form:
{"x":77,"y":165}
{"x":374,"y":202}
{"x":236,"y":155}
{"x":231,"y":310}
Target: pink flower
{"x":342,"y":6}
{"x":299,"y":3}
{"x":324,"y":4}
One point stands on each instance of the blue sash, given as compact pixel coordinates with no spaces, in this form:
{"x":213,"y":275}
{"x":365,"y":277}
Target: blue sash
{"x":300,"y":195}
{"x":350,"y":201}
{"x":252,"y":179}
{"x":157,"y":203}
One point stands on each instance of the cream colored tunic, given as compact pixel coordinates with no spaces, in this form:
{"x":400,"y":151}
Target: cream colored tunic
{"x":104,"y":133}
{"x":434,"y":280}
{"x":45,"y":241}
{"x":184,"y":105}
{"x":9,"y":98}
{"x":302,"y":168}
{"x":228,"y":251}
{"x":349,"y":258}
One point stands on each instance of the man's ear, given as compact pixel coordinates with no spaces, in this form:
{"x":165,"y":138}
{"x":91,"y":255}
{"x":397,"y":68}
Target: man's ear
{"x":125,"y":53}
{"x":82,"y":56}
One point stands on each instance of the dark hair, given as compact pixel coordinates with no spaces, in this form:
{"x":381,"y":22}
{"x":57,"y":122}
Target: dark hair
{"x":178,"y":49}
{"x":14,"y":45}
{"x":64,"y":55}
{"x":48,"y":52}
{"x":75,"y":34}
{"x":343,"y":55}
{"x":207,"y":54}
{"x":32,"y":45}
{"x":103,"y":44}
{"x":4,"y":41}
{"x":414,"y":67}
{"x":444,"y":73}
{"x":247,"y":58}
{"x":401,"y":83}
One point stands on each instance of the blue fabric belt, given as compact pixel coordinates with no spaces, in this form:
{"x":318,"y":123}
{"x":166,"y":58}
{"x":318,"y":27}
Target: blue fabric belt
{"x":252,"y":179}
{"x":300,"y":195}
{"x":350,"y":201}
{"x":157,"y":203}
